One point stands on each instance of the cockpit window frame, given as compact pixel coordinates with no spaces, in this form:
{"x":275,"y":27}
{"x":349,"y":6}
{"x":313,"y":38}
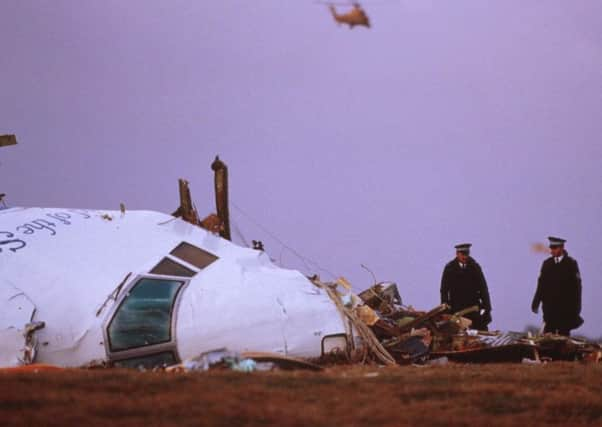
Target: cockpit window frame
{"x":166,"y":260}
{"x":188,"y":253}
{"x":150,"y":349}
{"x":164,"y":347}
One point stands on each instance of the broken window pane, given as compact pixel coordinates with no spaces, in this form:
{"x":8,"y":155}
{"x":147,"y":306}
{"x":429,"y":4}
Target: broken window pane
{"x":147,"y":362}
{"x":144,"y":317}
{"x":169,"y":267}
{"x":193,"y":255}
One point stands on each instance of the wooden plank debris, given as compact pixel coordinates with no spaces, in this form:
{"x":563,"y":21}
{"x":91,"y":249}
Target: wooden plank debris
{"x":412,"y":336}
{"x":221,"y":196}
{"x":369,"y":339}
{"x":186,"y":210}
{"x":283,"y":362}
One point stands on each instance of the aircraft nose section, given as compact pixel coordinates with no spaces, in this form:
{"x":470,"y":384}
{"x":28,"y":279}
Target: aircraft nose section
{"x":269,"y":310}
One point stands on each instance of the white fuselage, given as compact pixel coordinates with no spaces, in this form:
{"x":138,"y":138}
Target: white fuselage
{"x":64,"y":267}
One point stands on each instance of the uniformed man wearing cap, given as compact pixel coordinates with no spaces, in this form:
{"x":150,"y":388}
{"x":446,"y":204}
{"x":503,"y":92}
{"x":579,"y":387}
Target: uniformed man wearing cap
{"x":463,"y":285}
{"x":559,"y":290}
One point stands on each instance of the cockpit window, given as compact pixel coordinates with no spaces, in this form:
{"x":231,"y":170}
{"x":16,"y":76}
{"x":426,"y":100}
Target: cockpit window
{"x":144,"y":316}
{"x":168,"y":267}
{"x":193,"y":255}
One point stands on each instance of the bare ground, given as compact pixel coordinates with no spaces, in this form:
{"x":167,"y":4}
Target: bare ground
{"x":492,"y":395}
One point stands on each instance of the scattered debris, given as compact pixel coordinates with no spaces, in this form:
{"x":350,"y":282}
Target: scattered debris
{"x":369,"y":340}
{"x":242,"y":362}
{"x":221,"y":195}
{"x":31,"y":343}
{"x":393,"y":331}
{"x":219,"y":358}
{"x":367,"y":315}
{"x":281,"y":361}
{"x":186,"y":210}
{"x":382,"y":296}
{"x":212,"y":223}
{"x":216,"y":223}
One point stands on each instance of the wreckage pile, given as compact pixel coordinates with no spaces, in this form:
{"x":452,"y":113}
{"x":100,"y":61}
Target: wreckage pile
{"x":402,"y":335}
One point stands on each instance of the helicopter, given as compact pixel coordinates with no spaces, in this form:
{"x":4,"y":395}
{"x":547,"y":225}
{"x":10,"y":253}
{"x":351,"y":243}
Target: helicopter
{"x":355,"y":16}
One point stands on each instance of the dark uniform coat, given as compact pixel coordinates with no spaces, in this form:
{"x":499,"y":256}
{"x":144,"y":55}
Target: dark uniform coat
{"x":559,"y":291}
{"x":464,"y":287}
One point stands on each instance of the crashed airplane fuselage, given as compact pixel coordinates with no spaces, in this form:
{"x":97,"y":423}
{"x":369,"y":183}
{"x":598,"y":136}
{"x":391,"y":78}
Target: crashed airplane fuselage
{"x":143,"y":288}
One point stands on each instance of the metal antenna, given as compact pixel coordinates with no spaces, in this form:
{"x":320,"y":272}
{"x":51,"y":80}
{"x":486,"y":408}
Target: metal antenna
{"x":370,"y":271}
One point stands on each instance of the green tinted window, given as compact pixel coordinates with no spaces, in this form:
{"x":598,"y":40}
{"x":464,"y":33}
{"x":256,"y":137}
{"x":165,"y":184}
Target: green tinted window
{"x":144,"y":317}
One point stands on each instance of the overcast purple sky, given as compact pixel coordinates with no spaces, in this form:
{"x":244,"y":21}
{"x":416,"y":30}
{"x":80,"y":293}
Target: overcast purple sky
{"x":447,"y":121}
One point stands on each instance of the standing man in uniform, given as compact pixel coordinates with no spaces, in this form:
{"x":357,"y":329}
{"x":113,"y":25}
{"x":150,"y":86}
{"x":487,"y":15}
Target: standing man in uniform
{"x":463,"y":285}
{"x":559,"y":291}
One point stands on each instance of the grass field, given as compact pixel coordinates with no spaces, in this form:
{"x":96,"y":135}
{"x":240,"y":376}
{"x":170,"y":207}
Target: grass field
{"x":491,"y":395}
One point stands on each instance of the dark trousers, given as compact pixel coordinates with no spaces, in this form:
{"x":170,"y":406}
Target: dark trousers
{"x":478,"y":322}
